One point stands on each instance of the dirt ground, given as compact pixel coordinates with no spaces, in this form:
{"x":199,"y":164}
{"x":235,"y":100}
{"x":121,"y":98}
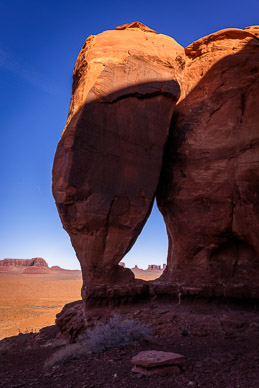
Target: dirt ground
{"x":219,"y":340}
{"x":29,"y":302}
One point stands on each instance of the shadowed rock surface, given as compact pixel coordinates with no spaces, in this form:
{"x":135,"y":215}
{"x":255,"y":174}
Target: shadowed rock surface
{"x":115,"y":149}
{"x":109,"y":158}
{"x":209,"y":187}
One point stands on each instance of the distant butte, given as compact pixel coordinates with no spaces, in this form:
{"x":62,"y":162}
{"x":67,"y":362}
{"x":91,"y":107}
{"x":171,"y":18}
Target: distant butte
{"x":40,"y":266}
{"x":36,"y":262}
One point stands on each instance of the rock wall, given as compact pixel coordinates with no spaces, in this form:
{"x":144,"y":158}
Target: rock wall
{"x":209,"y":187}
{"x":115,"y":156}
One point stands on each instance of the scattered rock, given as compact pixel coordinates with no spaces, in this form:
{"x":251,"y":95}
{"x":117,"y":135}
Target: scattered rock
{"x":163,"y":370}
{"x":156,"y":362}
{"x":152,"y":358}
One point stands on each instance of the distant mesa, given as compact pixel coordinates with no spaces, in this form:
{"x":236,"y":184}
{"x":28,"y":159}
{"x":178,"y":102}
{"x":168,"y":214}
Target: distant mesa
{"x":39,"y":270}
{"x":36,"y":262}
{"x":38,"y":265}
{"x":57,"y":268}
{"x":151,"y":267}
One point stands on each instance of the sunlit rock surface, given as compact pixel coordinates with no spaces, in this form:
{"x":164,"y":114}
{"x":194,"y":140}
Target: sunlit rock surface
{"x":109,"y":158}
{"x":115,"y":156}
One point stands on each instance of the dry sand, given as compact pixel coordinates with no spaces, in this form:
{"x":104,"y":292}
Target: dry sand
{"x":31,"y":301}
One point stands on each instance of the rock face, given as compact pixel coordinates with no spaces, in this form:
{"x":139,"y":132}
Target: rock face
{"x":109,"y":158}
{"x":115,"y":156}
{"x":209,"y":187}
{"x":36,"y":262}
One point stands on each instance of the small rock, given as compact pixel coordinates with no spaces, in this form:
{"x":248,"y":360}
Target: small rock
{"x":162,"y":370}
{"x":154,"y":358}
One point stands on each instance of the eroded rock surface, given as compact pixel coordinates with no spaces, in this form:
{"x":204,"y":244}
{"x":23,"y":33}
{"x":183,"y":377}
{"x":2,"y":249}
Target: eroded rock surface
{"x":209,"y":189}
{"x":109,"y":158}
{"x":111,"y":155}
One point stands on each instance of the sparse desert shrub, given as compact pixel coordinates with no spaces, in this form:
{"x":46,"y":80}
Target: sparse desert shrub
{"x":67,"y":353}
{"x":117,"y":332}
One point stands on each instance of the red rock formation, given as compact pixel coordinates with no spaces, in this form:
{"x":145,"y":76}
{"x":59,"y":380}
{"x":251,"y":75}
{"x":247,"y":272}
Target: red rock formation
{"x":36,"y":262}
{"x":209,"y":188}
{"x":108,"y":161}
{"x":154,"y":267}
{"x":70,"y":320}
{"x":38,"y":270}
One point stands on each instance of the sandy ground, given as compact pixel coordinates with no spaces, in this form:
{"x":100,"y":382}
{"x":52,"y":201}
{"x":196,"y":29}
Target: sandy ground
{"x":29,"y":302}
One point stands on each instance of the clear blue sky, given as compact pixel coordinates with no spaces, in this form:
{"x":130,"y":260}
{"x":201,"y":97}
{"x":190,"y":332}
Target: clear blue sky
{"x":39,"y":44}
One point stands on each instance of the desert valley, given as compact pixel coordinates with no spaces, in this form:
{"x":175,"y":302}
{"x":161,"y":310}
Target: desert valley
{"x":31,"y":293}
{"x":216,"y":338}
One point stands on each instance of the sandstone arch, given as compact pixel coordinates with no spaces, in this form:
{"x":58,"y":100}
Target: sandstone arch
{"x":109,"y":158}
{"x":110,"y":162}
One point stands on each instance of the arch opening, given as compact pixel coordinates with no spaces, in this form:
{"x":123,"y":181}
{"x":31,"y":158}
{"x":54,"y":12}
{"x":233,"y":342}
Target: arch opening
{"x":148,"y":257}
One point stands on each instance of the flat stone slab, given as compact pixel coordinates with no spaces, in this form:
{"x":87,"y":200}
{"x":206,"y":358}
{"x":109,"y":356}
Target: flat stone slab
{"x":161,"y":370}
{"x":154,"y":358}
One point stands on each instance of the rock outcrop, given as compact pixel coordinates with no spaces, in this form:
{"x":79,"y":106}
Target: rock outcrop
{"x":109,"y":158}
{"x":115,"y":156}
{"x":209,"y":186}
{"x":36,"y":262}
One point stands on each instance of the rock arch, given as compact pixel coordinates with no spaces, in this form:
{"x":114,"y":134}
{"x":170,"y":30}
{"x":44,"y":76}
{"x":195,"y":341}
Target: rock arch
{"x":115,"y":156}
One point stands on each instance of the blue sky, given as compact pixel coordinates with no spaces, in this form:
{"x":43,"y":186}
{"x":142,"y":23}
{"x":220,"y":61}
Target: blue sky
{"x":39,"y":44}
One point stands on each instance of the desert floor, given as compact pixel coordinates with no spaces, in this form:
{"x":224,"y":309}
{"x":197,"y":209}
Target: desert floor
{"x":29,"y":302}
{"x":219,"y":340}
